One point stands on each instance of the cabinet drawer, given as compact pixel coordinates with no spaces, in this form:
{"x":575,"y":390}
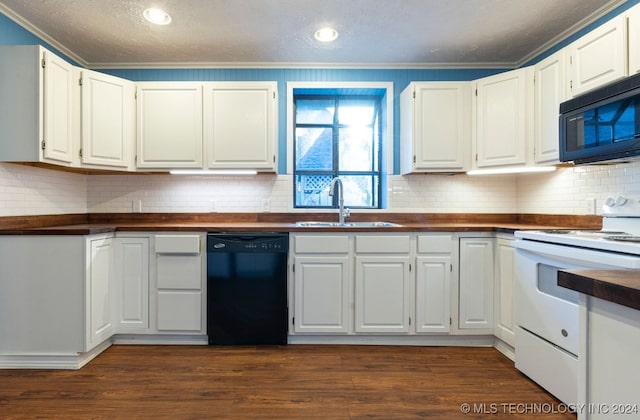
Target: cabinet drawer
{"x":374,"y":244}
{"x":434,"y":244}
{"x":177,"y":244}
{"x":179,"y":272}
{"x":332,"y":244}
{"x":181,"y":311}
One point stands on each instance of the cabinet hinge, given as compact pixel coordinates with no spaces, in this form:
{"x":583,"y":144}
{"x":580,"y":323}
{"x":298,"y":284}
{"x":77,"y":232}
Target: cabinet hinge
{"x":43,"y":145}
{"x":476,"y":92}
{"x":293,"y":268}
{"x":571,"y":84}
{"x":80,"y":81}
{"x":450,"y":322}
{"x":80,"y":152}
{"x":409,"y":320}
{"x":451,"y":268}
{"x":135,"y":95}
{"x":135,"y":159}
{"x":414,"y":158}
{"x":274,"y":158}
{"x":409,"y":267}
{"x":476,"y":157}
{"x":414,"y":94}
{"x":274,"y":95}
{"x":293,"y":321}
{"x":43,"y":62}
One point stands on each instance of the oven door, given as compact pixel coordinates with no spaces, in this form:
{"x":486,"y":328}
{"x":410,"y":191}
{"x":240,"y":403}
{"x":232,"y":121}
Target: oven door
{"x":546,"y":314}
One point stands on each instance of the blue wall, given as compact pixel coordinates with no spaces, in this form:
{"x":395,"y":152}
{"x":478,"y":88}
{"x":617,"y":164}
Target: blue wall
{"x":13,"y":34}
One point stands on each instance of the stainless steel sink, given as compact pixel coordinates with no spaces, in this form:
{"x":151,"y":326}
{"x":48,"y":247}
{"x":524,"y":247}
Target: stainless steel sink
{"x":347,"y":224}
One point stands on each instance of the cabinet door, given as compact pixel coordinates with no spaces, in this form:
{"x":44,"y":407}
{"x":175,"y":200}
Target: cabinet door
{"x":633,"y":27}
{"x":501,"y":120}
{"x":476,"y":284}
{"x":241,"y":125}
{"x":549,"y":93}
{"x":600,"y":57}
{"x":433,"y":294}
{"x":169,"y":121}
{"x":504,"y":326}
{"x":57,"y":142}
{"x":321,"y":287}
{"x":132,"y":284}
{"x":99,"y":322}
{"x":108,"y":133}
{"x":436,"y":126}
{"x":382,"y":294}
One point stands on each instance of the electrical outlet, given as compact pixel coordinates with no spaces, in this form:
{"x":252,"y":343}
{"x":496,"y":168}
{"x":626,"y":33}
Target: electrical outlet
{"x":266,"y":205}
{"x":590,"y":206}
{"x":212,"y":206}
{"x":137,"y":206}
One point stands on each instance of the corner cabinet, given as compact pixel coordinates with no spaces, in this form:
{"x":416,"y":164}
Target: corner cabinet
{"x":132,"y":284}
{"x":241,"y":125}
{"x":39,"y":126}
{"x":504,"y":118}
{"x":503,"y":296}
{"x":108,"y":121}
{"x":99,"y":291}
{"x":599,"y":57}
{"x":169,"y":125}
{"x":435,"y":127}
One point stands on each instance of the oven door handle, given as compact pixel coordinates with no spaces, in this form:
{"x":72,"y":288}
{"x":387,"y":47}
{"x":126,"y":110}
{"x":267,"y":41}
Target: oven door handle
{"x":578,"y":255}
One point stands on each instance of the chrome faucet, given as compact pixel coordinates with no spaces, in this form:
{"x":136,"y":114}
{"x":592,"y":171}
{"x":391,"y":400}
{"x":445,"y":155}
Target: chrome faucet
{"x":343,"y":212}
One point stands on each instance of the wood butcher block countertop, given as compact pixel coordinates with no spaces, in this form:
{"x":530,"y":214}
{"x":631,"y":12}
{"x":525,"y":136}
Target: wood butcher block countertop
{"x":618,"y":286}
{"x":94,"y":223}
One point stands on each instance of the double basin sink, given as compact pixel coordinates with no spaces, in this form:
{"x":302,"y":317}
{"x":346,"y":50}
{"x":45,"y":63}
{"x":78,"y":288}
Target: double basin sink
{"x":346,"y":224}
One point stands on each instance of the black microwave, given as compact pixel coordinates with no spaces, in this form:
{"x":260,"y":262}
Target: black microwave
{"x":602,"y":125}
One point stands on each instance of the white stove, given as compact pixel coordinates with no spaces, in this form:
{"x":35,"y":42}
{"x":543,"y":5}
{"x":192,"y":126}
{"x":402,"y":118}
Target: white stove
{"x":620,"y":230}
{"x":546,"y":314}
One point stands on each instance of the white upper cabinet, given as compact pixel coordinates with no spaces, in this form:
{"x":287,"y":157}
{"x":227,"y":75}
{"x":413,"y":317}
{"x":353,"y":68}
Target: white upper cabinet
{"x":169,"y":125}
{"x":504,"y":117}
{"x":39,"y":126}
{"x":241,"y":125}
{"x":108,"y":120}
{"x":633,"y":28}
{"x":599,"y":57}
{"x":435,"y":127}
{"x":549,"y":93}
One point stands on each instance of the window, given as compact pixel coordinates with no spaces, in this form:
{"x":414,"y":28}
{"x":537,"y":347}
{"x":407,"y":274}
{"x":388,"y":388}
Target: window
{"x":337,"y":135}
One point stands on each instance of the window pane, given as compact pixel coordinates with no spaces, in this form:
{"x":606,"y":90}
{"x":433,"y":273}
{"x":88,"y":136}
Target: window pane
{"x":313,"y":191}
{"x":315,"y":111}
{"x":360,"y":190}
{"x":356,"y":148}
{"x":314,"y":149}
{"x":356,"y":111}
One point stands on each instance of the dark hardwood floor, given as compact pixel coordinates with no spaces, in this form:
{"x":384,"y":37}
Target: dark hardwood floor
{"x":288,"y":382}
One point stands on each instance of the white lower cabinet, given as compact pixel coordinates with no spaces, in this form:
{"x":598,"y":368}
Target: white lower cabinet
{"x":322,"y":294}
{"x":476,"y":277}
{"x":503,"y":295}
{"x":99,"y":319}
{"x":57,"y":309}
{"x":132,"y":284}
{"x":382,"y":294}
{"x":180,"y":283}
{"x":433,"y":284}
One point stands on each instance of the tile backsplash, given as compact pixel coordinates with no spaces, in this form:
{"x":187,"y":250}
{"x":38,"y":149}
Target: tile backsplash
{"x":26,"y":190}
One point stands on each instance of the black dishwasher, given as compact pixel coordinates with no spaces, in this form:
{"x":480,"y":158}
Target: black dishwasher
{"x":247,"y":288}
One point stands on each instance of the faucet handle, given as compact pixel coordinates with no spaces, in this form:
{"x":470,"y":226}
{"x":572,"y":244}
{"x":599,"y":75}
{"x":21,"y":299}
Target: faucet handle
{"x":346,"y":212}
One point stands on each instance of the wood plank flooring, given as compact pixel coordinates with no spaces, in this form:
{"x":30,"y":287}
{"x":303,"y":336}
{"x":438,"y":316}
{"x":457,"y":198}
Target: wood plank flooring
{"x":286,"y":382}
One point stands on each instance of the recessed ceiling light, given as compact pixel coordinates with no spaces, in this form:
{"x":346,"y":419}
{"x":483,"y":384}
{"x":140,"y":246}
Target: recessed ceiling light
{"x":157,"y":16}
{"x":326,"y":34}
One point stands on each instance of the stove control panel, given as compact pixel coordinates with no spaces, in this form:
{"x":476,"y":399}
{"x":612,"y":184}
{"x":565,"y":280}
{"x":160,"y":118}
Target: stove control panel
{"x":621,"y":206}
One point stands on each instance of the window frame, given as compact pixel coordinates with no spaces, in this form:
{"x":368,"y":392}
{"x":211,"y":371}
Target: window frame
{"x":387,"y":158}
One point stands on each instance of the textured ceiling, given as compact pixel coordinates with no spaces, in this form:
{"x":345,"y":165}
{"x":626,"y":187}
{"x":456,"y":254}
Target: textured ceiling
{"x":373,"y":33}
